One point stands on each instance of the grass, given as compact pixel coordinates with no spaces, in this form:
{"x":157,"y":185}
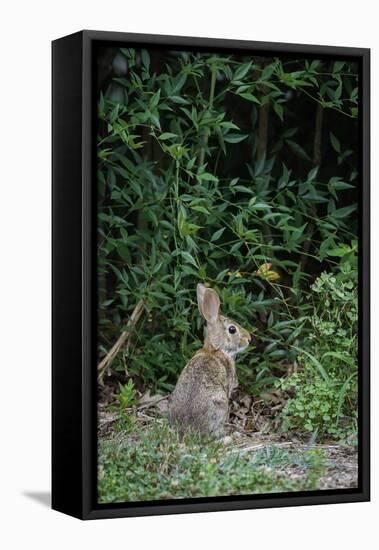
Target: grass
{"x":156,"y":464}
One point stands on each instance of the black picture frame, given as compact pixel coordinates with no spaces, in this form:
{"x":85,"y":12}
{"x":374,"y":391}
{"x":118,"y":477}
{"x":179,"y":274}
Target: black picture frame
{"x":73,"y":272}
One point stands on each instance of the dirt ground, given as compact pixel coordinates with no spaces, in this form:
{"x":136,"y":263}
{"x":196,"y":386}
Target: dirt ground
{"x":341,"y":460}
{"x":252,"y":428}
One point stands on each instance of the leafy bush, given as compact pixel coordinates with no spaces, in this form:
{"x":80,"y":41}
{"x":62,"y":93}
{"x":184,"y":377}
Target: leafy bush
{"x":236,"y":171}
{"x":326,"y":384}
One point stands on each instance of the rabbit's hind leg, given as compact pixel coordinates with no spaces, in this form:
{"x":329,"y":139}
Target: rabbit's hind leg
{"x":217,"y":416}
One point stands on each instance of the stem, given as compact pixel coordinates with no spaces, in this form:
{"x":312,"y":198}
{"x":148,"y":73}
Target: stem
{"x":318,"y":135}
{"x":264,"y":113}
{"x":211,"y":99}
{"x":263,"y":130}
{"x":174,"y":205}
{"x":321,"y":103}
{"x":317,"y":161}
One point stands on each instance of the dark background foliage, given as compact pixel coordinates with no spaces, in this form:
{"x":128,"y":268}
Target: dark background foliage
{"x":241,"y":172}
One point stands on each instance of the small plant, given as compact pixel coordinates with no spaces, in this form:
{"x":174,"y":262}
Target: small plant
{"x":125,"y":399}
{"x":325,"y":386}
{"x":318,"y":405}
{"x":126,"y":395}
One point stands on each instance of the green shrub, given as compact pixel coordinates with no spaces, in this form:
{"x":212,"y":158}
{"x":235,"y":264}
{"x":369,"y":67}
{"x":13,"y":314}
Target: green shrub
{"x":325,"y":385}
{"x":210,"y":168}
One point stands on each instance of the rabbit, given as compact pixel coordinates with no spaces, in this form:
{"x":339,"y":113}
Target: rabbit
{"x":200,"y":400}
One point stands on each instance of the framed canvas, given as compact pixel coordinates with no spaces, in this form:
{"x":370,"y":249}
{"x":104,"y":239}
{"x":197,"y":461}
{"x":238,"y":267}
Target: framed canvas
{"x":210,"y":275}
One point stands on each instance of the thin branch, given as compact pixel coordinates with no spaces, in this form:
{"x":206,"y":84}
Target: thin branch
{"x":318,"y":135}
{"x":121,"y":341}
{"x":211,"y":98}
{"x":264,"y":113}
{"x":317,"y":158}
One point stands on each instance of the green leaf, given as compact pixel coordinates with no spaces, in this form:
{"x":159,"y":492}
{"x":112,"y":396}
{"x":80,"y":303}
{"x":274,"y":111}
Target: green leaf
{"x":206,"y":176}
{"x":259,"y":166}
{"x":191,"y":163}
{"x":229,"y":125}
{"x":297,"y":149}
{"x":155,"y":120}
{"x":199,"y":208}
{"x":155,"y":99}
{"x":101,"y":103}
{"x":315,"y":197}
{"x":277,"y":353}
{"x":312,"y":174}
{"x":179,"y":82}
{"x":267,"y":71}
{"x":189,"y":258}
{"x":243,"y":189}
{"x":123,"y":251}
{"x":261,"y":206}
{"x":250,"y":97}
{"x":344,"y":212}
{"x":217,"y":234}
{"x":338,"y":66}
{"x":145,"y":59}
{"x":341,"y":185}
{"x":179,"y":99}
{"x":167,"y":135}
{"x":278,"y":108}
{"x":314,"y":362}
{"x":221,"y":140}
{"x":114,"y":113}
{"x":341,"y":356}
{"x":335,"y":143}
{"x":194,"y":117}
{"x":242,"y":71}
{"x":235,"y":138}
{"x":342,"y":394}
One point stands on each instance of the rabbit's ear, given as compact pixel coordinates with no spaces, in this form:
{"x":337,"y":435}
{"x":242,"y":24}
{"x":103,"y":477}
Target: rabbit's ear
{"x":200,"y":289}
{"x":211,"y":305}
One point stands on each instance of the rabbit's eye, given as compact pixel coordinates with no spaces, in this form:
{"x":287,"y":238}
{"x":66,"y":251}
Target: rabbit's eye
{"x":232,"y":329}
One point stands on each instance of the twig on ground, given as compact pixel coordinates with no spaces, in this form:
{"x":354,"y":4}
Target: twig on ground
{"x":143,"y":415}
{"x":152,"y":403}
{"x":108,"y":419}
{"x":261,"y":446}
{"x":258,"y":446}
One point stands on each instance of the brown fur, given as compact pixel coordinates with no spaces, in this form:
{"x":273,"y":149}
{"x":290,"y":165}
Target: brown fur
{"x":200,"y":400}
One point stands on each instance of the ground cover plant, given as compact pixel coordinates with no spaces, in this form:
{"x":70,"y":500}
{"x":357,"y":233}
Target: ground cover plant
{"x":240,"y":172}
